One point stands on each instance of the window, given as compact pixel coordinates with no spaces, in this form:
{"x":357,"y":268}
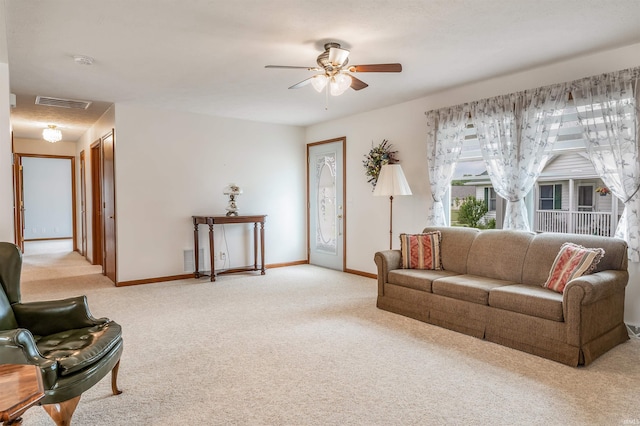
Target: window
{"x":490,"y":199}
{"x":551,"y":197}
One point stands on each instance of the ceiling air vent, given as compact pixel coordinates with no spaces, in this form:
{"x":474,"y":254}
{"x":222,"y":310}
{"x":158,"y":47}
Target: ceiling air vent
{"x":62,"y":103}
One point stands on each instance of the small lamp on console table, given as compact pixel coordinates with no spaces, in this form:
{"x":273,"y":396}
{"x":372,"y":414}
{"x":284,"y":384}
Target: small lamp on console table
{"x":232,"y":191}
{"x":391,"y":182}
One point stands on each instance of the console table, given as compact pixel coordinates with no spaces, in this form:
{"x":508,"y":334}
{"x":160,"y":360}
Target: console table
{"x":223,"y":220}
{"x":21,"y":388}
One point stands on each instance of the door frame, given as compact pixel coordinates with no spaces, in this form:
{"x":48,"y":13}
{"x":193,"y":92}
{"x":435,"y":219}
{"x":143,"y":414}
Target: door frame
{"x":20,"y":193}
{"x":18,"y":202}
{"x":342,"y":139}
{"x":110,"y":265}
{"x":96,"y":204}
{"x":83,"y":205}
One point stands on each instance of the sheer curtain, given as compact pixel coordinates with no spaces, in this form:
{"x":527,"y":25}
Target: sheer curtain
{"x":607,"y":108}
{"x":445,"y":135}
{"x":516,"y":134}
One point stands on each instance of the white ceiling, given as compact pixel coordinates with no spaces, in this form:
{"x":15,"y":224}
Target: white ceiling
{"x":208,"y":56}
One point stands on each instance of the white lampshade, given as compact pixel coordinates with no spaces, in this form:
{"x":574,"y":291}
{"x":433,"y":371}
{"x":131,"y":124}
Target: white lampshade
{"x":339,"y":84}
{"x":233,"y":189}
{"x":319,"y":82}
{"x":391,"y":181}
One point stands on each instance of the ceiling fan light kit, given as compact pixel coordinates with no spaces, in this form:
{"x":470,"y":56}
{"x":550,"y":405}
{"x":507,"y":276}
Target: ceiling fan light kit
{"x":335,"y":75}
{"x":319,"y":82}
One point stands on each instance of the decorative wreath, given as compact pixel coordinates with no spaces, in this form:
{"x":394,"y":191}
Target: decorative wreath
{"x":378,"y":157}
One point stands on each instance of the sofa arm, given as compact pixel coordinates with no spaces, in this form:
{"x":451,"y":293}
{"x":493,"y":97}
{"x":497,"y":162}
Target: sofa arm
{"x":593,"y":304}
{"x":17,"y":346}
{"x":593,"y":287}
{"x":386,"y":261}
{"x":54,"y":316}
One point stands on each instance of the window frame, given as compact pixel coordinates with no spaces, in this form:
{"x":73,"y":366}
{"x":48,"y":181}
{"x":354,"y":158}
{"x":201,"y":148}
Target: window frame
{"x":556,"y":196}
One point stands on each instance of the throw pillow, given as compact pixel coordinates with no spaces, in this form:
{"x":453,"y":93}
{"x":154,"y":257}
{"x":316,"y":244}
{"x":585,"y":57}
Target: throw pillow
{"x":572,"y":261}
{"x":421,"y":251}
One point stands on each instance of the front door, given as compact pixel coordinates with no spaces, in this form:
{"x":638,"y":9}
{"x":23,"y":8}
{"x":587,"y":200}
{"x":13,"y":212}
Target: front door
{"x":585,"y":198}
{"x":326,"y":211}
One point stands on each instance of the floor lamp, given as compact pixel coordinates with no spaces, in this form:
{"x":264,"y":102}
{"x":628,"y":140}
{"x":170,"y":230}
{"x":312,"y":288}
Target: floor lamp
{"x":391,"y":181}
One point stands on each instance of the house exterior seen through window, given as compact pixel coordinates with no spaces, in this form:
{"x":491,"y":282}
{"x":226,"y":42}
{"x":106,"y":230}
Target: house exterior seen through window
{"x":564,"y":198}
{"x":490,"y":199}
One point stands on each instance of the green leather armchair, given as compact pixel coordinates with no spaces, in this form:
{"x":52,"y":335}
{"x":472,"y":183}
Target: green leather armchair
{"x":73,"y":350}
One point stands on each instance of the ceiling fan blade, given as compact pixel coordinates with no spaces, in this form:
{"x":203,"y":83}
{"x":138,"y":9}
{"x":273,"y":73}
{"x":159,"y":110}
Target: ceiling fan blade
{"x":302,"y":83}
{"x":293,"y":67}
{"x":337,"y":56}
{"x":357,"y":84}
{"x":376,"y":68}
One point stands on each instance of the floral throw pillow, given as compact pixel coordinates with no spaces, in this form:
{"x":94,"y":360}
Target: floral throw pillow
{"x":421,"y":251}
{"x":572,"y":261}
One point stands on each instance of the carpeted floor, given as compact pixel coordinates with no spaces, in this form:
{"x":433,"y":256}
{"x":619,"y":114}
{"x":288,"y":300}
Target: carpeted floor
{"x":306,"y":346}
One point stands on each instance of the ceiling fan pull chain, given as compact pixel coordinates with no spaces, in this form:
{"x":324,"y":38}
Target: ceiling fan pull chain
{"x":326,"y":97}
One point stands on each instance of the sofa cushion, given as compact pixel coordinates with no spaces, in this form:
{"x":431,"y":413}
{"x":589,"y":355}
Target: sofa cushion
{"x":472,"y":288}
{"x":499,"y":254}
{"x":572,"y":261}
{"x":529,"y":300}
{"x":419,"y":279}
{"x":420,"y":251}
{"x":80,"y":348}
{"x":455,"y":244}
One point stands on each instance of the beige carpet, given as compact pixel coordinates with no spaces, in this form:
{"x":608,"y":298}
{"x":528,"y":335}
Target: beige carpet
{"x":307,"y":346}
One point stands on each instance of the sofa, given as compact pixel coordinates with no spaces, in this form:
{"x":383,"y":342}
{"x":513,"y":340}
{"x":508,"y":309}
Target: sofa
{"x":490,"y":285}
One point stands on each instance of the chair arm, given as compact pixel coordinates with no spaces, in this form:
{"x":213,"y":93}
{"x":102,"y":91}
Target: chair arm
{"x":54,"y":316}
{"x":386,"y":261}
{"x":17,"y":346}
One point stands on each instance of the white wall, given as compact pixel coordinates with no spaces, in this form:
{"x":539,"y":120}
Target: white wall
{"x":171,"y":165}
{"x":404,"y":126}
{"x":42,"y":147}
{"x":6,"y":172}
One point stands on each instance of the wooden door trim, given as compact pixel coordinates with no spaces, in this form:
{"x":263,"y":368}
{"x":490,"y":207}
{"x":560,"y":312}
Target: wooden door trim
{"x":83,"y":204}
{"x":111,"y":135}
{"x":18,"y":202}
{"x":97,"y":225}
{"x":74,"y":218}
{"x":342,"y":139}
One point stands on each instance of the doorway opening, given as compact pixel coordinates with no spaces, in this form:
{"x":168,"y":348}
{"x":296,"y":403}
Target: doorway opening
{"x":46,"y":196}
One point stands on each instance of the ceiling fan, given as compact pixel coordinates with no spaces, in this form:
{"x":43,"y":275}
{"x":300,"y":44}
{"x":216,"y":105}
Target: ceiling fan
{"x":335,"y":73}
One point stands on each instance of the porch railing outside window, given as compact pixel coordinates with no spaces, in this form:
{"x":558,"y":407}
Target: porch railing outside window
{"x":589,"y":223}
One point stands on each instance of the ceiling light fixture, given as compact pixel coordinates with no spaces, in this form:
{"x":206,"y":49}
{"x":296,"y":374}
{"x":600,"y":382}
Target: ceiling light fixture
{"x":52,"y":134}
{"x":319,"y":82}
{"x":339,"y":84}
